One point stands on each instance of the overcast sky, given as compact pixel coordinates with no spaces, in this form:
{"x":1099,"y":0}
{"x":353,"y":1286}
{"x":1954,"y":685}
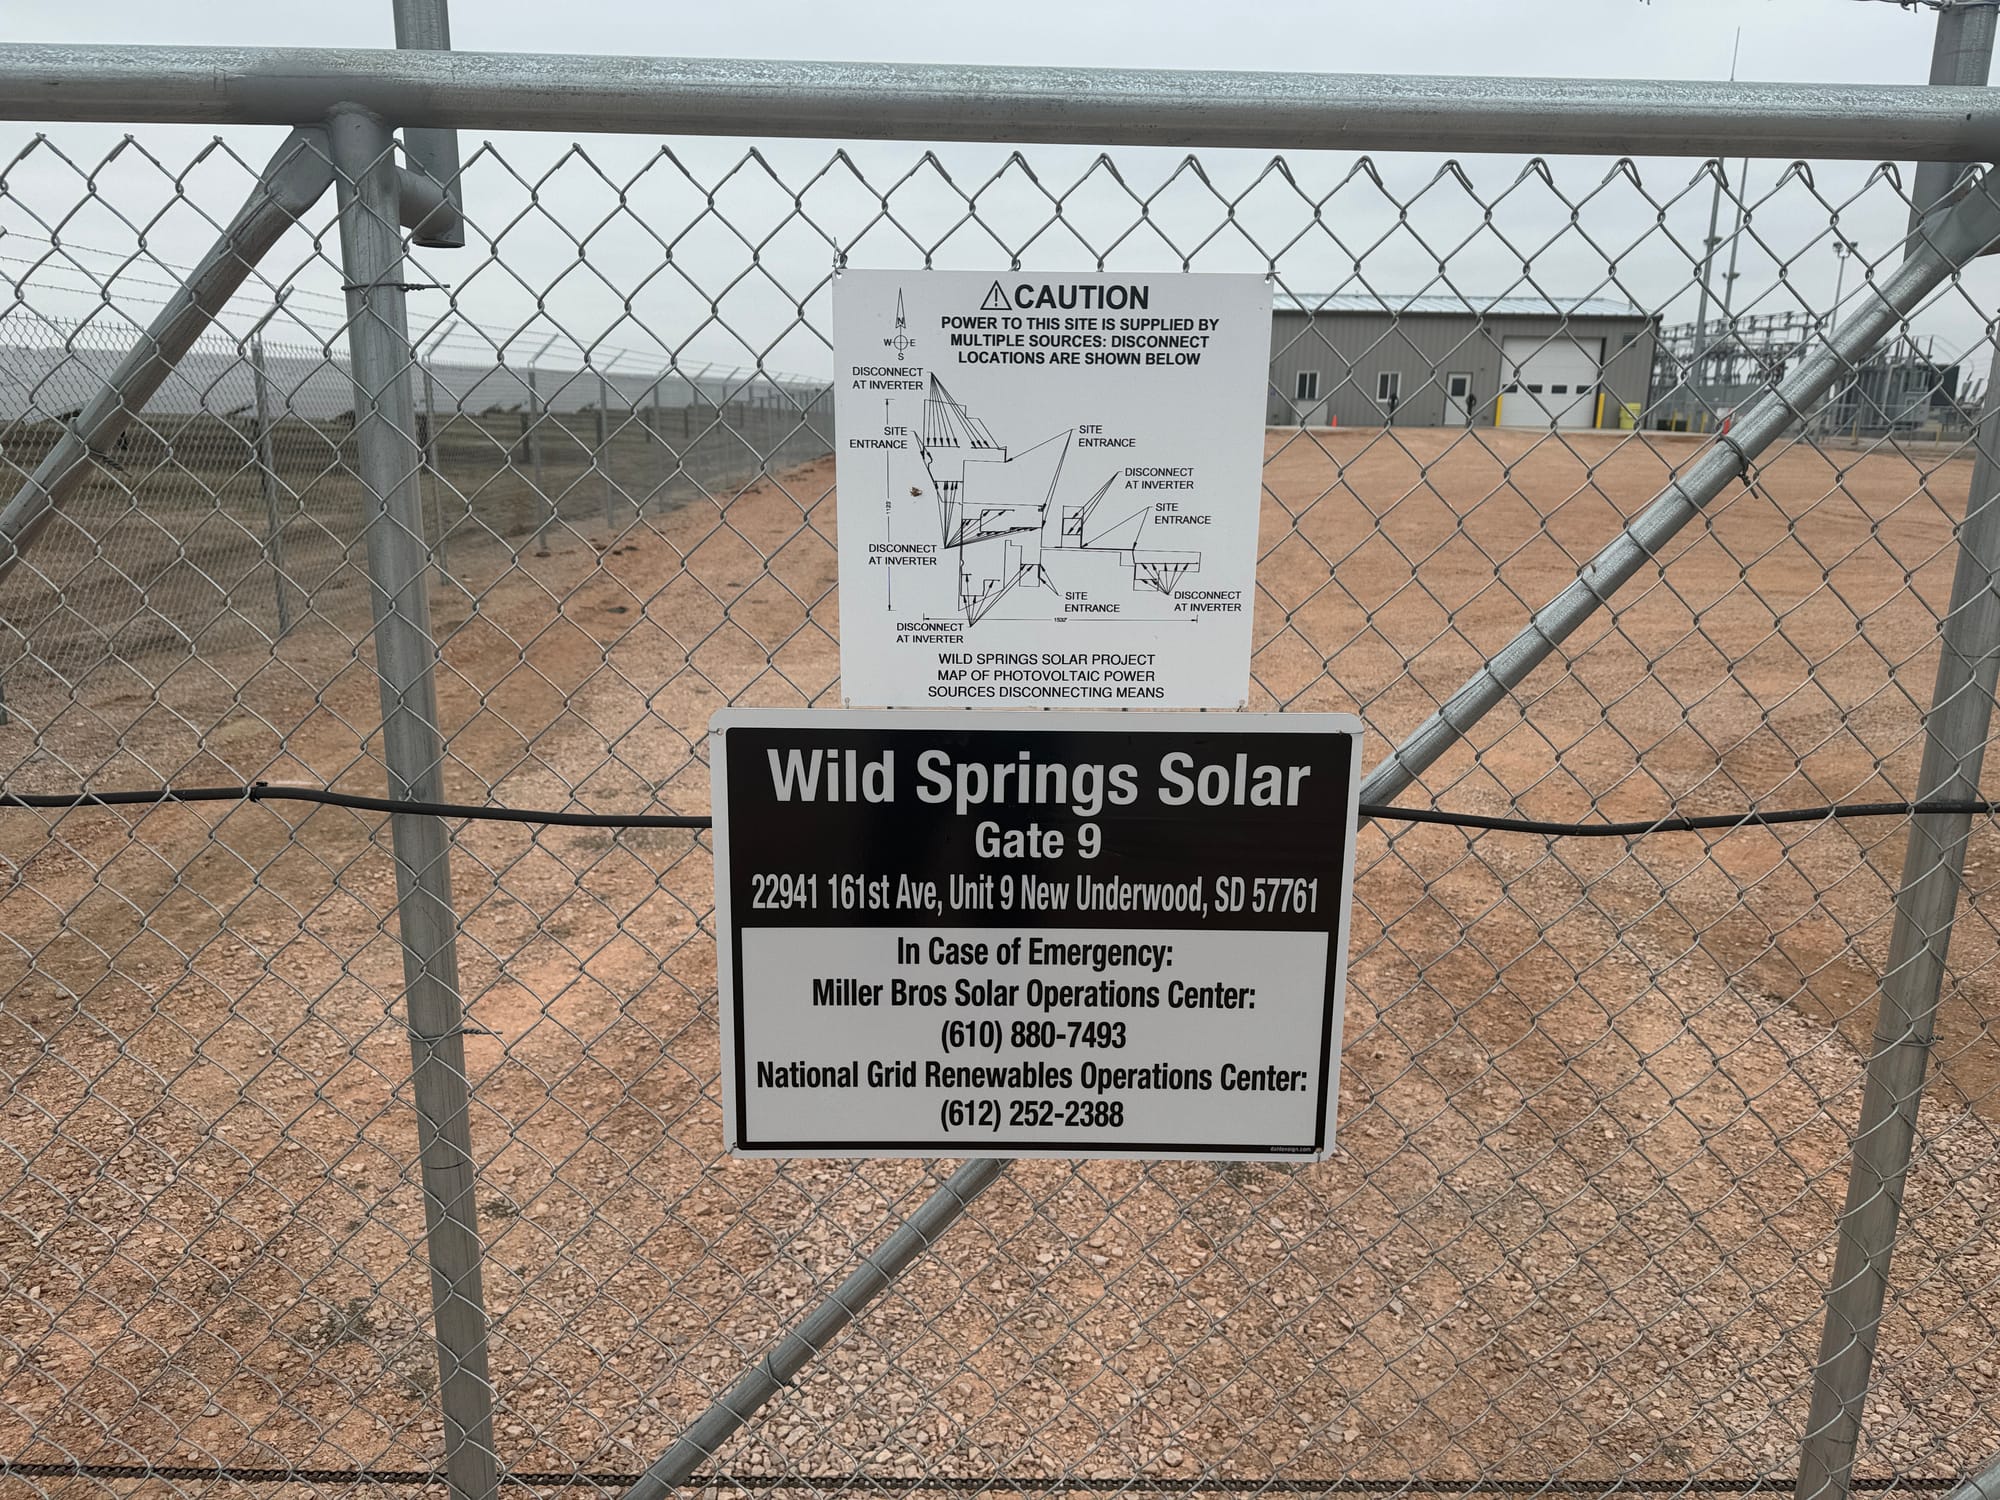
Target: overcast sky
{"x":536,"y":204}
{"x":1849,"y":41}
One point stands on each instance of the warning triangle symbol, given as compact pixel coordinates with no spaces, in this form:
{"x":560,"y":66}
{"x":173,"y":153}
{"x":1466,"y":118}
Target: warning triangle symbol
{"x":996,"y":301}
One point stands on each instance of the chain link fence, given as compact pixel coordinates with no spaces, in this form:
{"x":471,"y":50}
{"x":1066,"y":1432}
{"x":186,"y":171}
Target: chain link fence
{"x":1598,"y":1097}
{"x":230,"y":506}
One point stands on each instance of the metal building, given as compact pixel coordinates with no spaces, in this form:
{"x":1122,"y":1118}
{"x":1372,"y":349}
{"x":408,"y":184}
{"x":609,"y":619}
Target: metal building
{"x":1438,"y":360}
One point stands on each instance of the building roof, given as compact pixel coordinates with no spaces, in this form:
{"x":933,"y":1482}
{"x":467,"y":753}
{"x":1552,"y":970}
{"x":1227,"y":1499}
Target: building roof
{"x":1513,"y":305}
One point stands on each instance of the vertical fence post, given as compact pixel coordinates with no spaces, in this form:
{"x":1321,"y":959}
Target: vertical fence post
{"x":1961,"y":55}
{"x":603,"y":452}
{"x":1955,"y":736}
{"x":681,"y":457}
{"x":267,"y":481}
{"x":534,"y":441}
{"x":654,"y":437}
{"x":389,"y":461}
{"x":425,"y":25}
{"x":436,"y":479}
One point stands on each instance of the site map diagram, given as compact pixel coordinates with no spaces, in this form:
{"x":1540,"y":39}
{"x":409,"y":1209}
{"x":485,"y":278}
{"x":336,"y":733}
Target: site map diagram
{"x":1048,"y":487}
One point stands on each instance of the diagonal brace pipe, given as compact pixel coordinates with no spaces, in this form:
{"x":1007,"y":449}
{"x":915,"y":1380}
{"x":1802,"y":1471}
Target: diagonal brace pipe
{"x":1985,"y":1485}
{"x":297,"y":177}
{"x":389,"y":464}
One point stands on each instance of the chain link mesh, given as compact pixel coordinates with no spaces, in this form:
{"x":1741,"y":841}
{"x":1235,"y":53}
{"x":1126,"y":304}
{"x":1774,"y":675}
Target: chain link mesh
{"x":1596,"y":1100}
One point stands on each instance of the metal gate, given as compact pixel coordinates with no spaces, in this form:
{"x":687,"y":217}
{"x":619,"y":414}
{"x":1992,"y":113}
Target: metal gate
{"x":363,"y":1110}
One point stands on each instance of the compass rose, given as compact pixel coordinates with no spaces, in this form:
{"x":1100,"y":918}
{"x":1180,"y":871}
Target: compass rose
{"x":902,"y":343}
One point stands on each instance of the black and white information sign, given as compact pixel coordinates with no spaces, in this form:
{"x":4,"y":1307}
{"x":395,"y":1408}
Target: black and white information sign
{"x":1027,"y":934}
{"x":1049,"y":487}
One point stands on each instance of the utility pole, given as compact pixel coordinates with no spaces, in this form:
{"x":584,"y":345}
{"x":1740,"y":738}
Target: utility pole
{"x":1708,"y":249}
{"x":1842,"y":248}
{"x":1729,"y":276}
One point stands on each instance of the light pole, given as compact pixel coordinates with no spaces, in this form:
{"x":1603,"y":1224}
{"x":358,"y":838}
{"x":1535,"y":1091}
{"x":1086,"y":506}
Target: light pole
{"x":1708,"y":248}
{"x":603,"y":457}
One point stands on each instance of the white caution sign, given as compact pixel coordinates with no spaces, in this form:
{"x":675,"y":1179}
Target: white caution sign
{"x":1048,"y":487}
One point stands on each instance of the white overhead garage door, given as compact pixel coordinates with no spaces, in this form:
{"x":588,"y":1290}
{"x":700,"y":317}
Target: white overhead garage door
{"x":1549,"y":382}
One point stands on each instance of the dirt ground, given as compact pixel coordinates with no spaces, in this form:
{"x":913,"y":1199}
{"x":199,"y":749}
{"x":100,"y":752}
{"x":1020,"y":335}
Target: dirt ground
{"x":1595,"y":1095}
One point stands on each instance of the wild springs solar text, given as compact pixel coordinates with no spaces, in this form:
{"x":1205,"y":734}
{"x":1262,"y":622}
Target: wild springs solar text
{"x":1087,"y":787}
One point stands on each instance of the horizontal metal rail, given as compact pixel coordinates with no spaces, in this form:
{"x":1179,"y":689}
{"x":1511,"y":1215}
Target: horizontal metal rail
{"x":944,"y":102}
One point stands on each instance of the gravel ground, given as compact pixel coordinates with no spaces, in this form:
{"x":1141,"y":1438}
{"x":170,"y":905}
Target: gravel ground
{"x":1594,"y":1101}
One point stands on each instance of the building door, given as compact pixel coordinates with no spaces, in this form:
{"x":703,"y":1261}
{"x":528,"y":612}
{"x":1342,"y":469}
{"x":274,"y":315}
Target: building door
{"x":1458,"y":400}
{"x":1308,"y":406}
{"x":1549,"y":382}
{"x":1389,"y":394}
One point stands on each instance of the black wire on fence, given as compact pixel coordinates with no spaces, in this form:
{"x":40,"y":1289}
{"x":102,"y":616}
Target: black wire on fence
{"x":268,"y":791}
{"x":552,"y":1479}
